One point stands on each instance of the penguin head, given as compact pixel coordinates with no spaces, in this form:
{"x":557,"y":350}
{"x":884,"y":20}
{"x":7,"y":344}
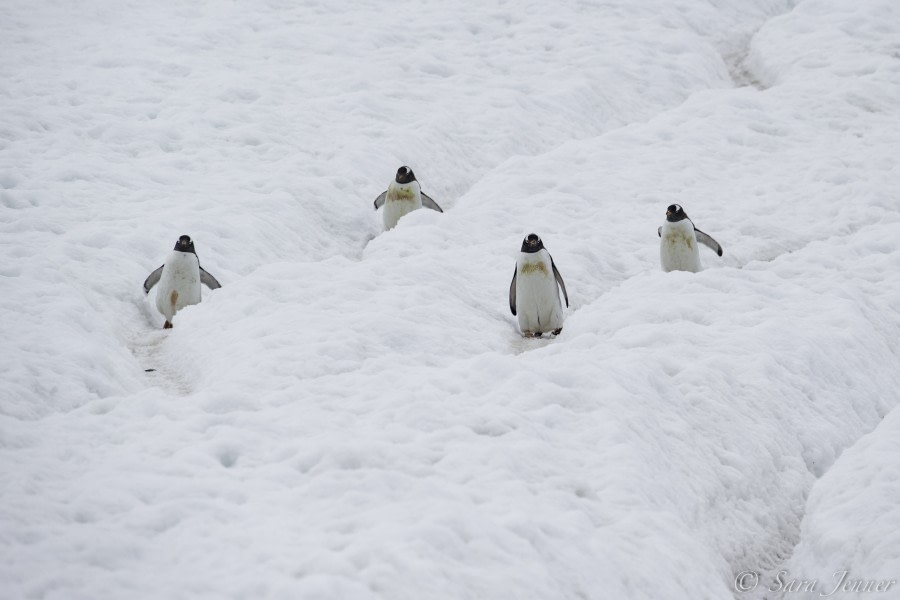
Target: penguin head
{"x":532,"y":243}
{"x":405,"y":175}
{"x":675,"y":213}
{"x":184,"y":244}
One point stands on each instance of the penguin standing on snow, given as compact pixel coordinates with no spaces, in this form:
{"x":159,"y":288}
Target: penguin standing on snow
{"x":403,"y":196}
{"x":533,"y":293}
{"x":678,"y":249}
{"x":179,"y":280}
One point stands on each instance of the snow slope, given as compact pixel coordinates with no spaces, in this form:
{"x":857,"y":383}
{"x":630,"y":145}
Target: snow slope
{"x":850,"y":537}
{"x":354,"y":415}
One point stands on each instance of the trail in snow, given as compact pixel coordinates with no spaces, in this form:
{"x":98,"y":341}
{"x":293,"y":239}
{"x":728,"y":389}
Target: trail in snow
{"x":352,"y":414}
{"x":148,"y":344}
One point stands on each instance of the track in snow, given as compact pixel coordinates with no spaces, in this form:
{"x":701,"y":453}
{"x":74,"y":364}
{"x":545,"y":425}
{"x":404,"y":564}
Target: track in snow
{"x":148,"y":345}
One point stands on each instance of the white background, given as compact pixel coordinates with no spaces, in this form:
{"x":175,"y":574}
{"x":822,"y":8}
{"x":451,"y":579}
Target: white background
{"x":354,"y":414}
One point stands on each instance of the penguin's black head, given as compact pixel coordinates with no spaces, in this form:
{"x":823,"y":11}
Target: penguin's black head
{"x":184,"y":244}
{"x":675,"y":213}
{"x":532,"y":243}
{"x":405,"y":175}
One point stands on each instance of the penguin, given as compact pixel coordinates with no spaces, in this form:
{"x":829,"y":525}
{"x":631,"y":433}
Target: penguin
{"x":179,"y":280}
{"x":534,"y":291}
{"x":678,"y":249}
{"x":403,"y":196}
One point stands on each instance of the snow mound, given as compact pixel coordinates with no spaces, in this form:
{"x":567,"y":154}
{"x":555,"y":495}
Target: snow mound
{"x":353,"y":414}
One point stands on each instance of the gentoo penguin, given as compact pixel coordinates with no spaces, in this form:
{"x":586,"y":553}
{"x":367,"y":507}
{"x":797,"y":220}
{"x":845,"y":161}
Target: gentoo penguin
{"x":533,"y":293}
{"x":179,"y":280}
{"x":678,"y":249}
{"x":403,"y":196}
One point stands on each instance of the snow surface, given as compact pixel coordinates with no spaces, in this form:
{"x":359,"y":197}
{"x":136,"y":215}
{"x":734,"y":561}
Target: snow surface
{"x":354,"y":414}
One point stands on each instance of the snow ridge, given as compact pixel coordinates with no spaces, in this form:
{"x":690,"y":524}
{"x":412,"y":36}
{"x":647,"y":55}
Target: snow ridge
{"x":353,"y":413}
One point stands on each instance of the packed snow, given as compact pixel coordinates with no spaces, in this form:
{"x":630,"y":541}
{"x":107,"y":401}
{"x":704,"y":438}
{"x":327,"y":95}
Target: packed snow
{"x":355,"y":414}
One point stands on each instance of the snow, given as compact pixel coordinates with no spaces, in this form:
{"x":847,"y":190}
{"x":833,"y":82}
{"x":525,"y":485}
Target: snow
{"x":354,"y":413}
{"x":852,"y":522}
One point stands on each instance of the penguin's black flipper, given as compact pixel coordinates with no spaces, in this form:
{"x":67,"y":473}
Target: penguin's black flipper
{"x":559,"y":280}
{"x":659,"y":231}
{"x":429,"y":203}
{"x":512,"y":291}
{"x":708,"y":241}
{"x":152,"y":279}
{"x":208,"y":280}
{"x":379,"y":201}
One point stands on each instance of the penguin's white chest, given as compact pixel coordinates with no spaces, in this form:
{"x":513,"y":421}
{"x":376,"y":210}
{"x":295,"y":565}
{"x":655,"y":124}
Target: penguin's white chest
{"x":401,"y":199}
{"x":678,"y":249}
{"x":538,"y":307}
{"x":179,"y":284}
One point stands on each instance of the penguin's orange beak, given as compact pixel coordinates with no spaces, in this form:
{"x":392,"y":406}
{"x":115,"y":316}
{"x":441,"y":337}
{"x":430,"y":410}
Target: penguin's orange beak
{"x":669,"y":213}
